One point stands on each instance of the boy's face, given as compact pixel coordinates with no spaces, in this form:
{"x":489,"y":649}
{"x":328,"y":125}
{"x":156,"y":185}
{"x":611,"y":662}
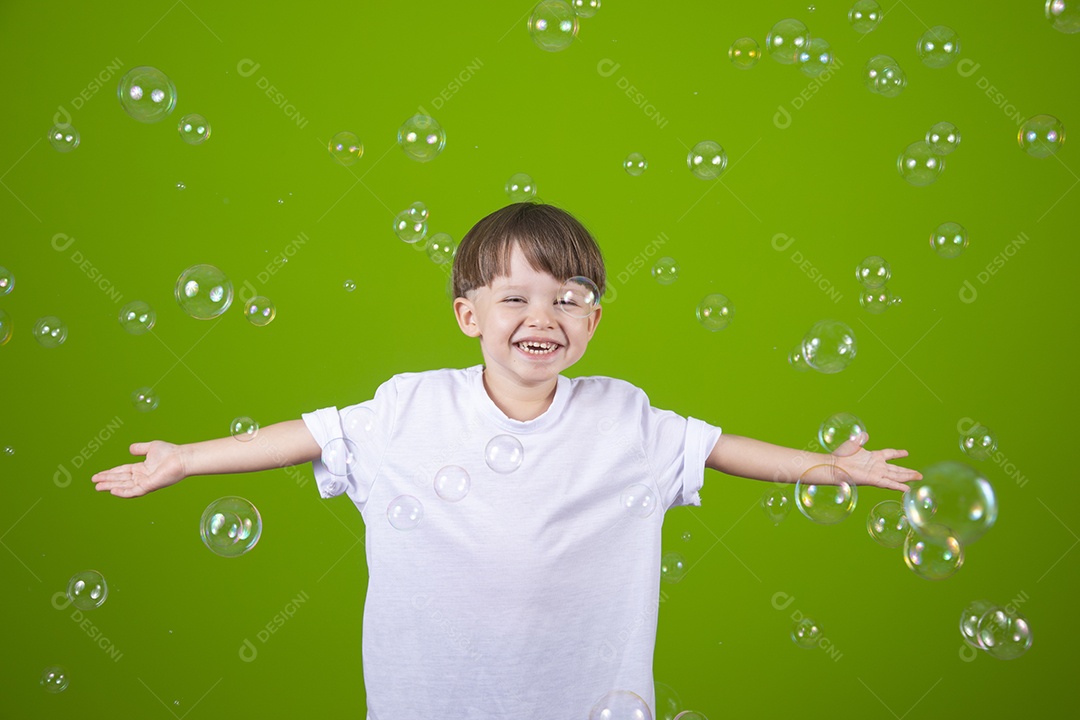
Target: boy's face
{"x":524,"y":335}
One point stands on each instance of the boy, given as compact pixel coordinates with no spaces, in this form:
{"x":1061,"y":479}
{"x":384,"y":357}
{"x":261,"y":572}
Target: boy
{"x":513,"y":548}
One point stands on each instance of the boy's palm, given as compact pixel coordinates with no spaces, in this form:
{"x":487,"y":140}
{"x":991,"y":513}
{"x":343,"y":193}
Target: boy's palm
{"x":161,"y":468}
{"x":872,"y":467}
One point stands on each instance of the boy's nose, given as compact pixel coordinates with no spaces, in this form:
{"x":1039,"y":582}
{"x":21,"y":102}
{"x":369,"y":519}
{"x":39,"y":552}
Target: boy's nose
{"x":541,"y":315}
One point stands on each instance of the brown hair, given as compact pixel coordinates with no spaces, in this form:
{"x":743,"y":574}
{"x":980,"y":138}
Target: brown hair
{"x":552,"y":240}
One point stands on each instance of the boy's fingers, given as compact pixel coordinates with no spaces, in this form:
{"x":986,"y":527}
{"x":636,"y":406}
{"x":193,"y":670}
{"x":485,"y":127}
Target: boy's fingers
{"x":139,"y":448}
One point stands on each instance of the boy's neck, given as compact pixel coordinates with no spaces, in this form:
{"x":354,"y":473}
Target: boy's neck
{"x":517,"y":402}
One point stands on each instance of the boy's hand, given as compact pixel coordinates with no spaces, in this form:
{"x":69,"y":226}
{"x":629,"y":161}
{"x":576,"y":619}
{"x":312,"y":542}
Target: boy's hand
{"x":162,"y":467}
{"x":867,"y":467}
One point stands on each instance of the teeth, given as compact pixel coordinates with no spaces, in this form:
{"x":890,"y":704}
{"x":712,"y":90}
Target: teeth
{"x":535,"y":348}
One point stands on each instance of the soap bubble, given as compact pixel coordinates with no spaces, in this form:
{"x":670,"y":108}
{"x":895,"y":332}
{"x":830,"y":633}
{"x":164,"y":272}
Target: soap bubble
{"x":7,"y":281}
{"x":346,"y":148}
{"x":638,"y":500}
{"x":1004,"y":635}
{"x":665,"y":270}
{"x":585,"y":8}
{"x":422,"y":138}
{"x":620,"y":705}
{"x":797,"y":360}
{"x":884,"y":76}
{"x":744,"y":53}
{"x":50,"y":331}
{"x":358,"y":420}
{"x":146,"y":94}
{"x":243,"y":428}
{"x":715,"y":312}
{"x":64,"y":138}
{"x":806,"y":633}
{"x":939,"y":46}
{"x":5,"y":327}
{"x":707,"y":160}
{"x":864,"y":16}
{"x":949,"y":239}
{"x":887,"y":524}
{"x":943,"y":138}
{"x":340,"y":456}
{"x":934,"y":556}
{"x":1041,"y":136}
{"x":194,"y":129}
{"x":55,"y":679}
{"x":829,"y":346}
{"x":418,"y":210}
{"x":578,"y":297}
{"x":260,"y":311}
{"x":826,"y":504}
{"x":553,"y":25}
{"x":969,"y":621}
{"x":441,"y":248}
{"x":878,"y":300}
{"x":144,"y":399}
{"x":409,"y":227}
{"x":873,"y":272}
{"x":520,"y":188}
{"x":838,"y":428}
{"x":230,"y":526}
{"x":953,"y":496}
{"x":815,"y":58}
{"x":349,"y":285}
{"x":452,"y":483}
{"x":504,"y":454}
{"x":1064,"y":15}
{"x":405,"y":513}
{"x":919,"y":165}
{"x":635,"y":164}
{"x":137,"y":317}
{"x":690,"y":715}
{"x":776,"y":504}
{"x":203,"y":292}
{"x":786,"y":38}
{"x":672,"y":567}
{"x":668,"y":702}
{"x":87,"y":589}
{"x":978,"y":442}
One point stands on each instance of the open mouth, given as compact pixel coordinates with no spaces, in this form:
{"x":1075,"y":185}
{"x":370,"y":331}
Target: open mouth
{"x":537,"y":348}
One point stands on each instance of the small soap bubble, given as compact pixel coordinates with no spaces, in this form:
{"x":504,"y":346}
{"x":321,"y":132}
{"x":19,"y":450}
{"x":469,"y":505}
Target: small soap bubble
{"x":452,"y":483}
{"x":585,"y":8}
{"x":935,"y":556}
{"x":504,"y":453}
{"x":260,"y":311}
{"x":786,"y":39}
{"x":1064,"y":15}
{"x":5,"y":327}
{"x":864,"y":16}
{"x":873,"y":272}
{"x":55,"y":679}
{"x":969,"y":621}
{"x":883,"y":76}
{"x":939,"y":46}
{"x":144,"y":399}
{"x":8,"y":451}
{"x":409,"y":227}
{"x":815,"y":58}
{"x":826,"y":504}
{"x":349,"y":285}
{"x":668,"y":702}
{"x":672,"y":567}
{"x":230,"y":526}
{"x":829,"y":346}
{"x":243,"y":428}
{"x":744,"y":53}
{"x":954,"y":496}
{"x":707,"y":160}
{"x":422,"y":138}
{"x":418,"y":210}
{"x":806,"y":633}
{"x":64,"y":138}
{"x":405,"y":513}
{"x":686,"y":536}
{"x":978,"y":442}
{"x":919,"y":165}
{"x":1041,"y":136}
{"x":638,"y":500}
{"x":346,"y":148}
{"x":878,"y":300}
{"x":520,"y":188}
{"x":578,"y":297}
{"x":340,"y":456}
{"x":943,"y":138}
{"x":665,"y":270}
{"x":1004,"y":635}
{"x":620,"y":705}
{"x":203,"y":292}
{"x":949,"y":240}
{"x":7,"y":281}
{"x":441,"y":248}
{"x":635,"y":164}
{"x":553,"y":25}
{"x":181,"y":186}
{"x":838,"y":428}
{"x":194,"y":129}
{"x":50,"y":331}
{"x":358,"y":421}
{"x":137,"y":317}
{"x":776,"y":504}
{"x":715,"y":312}
{"x":887,"y":524}
{"x":146,"y":94}
{"x":87,"y":589}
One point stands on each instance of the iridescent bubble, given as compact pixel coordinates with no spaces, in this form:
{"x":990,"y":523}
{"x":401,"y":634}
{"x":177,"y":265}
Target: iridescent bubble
{"x":578,"y":297}
{"x":943,"y":138}
{"x":422,"y":138}
{"x":346,"y":148}
{"x":1041,"y":136}
{"x":873,"y":272}
{"x":340,"y":456}
{"x":919,"y":165}
{"x":715,"y":312}
{"x":887,"y":524}
{"x":55,"y":679}
{"x":146,"y":94}
{"x":796,"y":359}
{"x":776,"y":504}
{"x":978,"y":442}
{"x":441,"y":248}
{"x":635,"y":164}
{"x":64,"y":138}
{"x":8,"y":451}
{"x":838,"y":428}
{"x":87,"y":589}
{"x":620,"y":705}
{"x":144,"y":399}
{"x":969,"y":621}
{"x":953,"y":496}
{"x":877,"y":301}
{"x":349,"y":285}
{"x":243,"y":428}
{"x":137,"y":317}
{"x":786,"y":39}
{"x":884,"y":76}
{"x":553,"y":25}
{"x":638,"y":500}
{"x":409,"y":227}
{"x":806,"y":633}
{"x":358,"y":421}
{"x":452,"y":483}
{"x":5,"y":327}
{"x":949,"y":240}
{"x":707,"y":160}
{"x":585,"y":8}
{"x":1064,"y":15}
{"x":230,"y":526}
{"x":50,"y":331}
{"x":668,"y":702}
{"x":1003,"y":634}
{"x":260,"y":311}
{"x":672,"y":567}
{"x":826,"y":503}
{"x":939,"y":46}
{"x":405,"y":513}
{"x":418,"y":210}
{"x":665,"y":270}
{"x":194,"y":129}
{"x":504,"y":453}
{"x":203,"y":292}
{"x":520,"y":188}
{"x":744,"y":53}
{"x":7,"y":281}
{"x":686,"y":536}
{"x":829,"y":346}
{"x":814,"y":58}
{"x":864,"y":16}
{"x":934,"y":556}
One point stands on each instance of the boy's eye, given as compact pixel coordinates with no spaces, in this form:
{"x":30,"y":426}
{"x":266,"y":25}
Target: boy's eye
{"x":514,"y":300}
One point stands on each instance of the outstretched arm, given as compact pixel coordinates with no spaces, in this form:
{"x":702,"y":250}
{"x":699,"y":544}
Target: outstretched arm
{"x":279,"y":445}
{"x":759,"y":460}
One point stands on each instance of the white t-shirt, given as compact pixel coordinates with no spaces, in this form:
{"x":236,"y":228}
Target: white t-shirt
{"x":537,"y":592}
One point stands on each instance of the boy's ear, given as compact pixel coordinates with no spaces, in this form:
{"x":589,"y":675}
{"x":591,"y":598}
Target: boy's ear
{"x":466,"y":317}
{"x":594,"y":320}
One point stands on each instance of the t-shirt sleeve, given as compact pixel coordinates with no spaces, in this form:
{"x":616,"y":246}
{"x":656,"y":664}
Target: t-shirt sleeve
{"x":354,"y":441}
{"x":676,"y":448}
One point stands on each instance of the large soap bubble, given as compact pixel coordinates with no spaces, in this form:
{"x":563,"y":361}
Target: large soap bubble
{"x":951,"y":496}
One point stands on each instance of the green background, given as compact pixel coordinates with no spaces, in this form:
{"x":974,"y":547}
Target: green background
{"x":178,"y":615}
